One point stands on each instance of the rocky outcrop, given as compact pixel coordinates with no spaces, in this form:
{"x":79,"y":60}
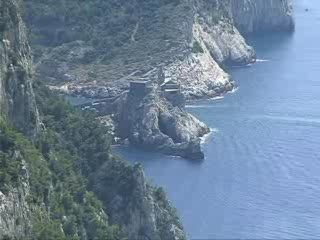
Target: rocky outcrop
{"x":17,"y":102}
{"x":15,"y":211}
{"x":143,"y":210}
{"x":213,"y":26}
{"x":155,"y":122}
{"x":253,"y":16}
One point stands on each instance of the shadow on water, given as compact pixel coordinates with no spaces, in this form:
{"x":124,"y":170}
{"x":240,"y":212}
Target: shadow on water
{"x":262,"y":41}
{"x":136,"y":155}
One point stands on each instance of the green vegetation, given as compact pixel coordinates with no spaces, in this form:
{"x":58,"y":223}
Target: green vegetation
{"x":58,"y":168}
{"x":72,"y":132}
{"x":55,"y":22}
{"x":75,"y":145}
{"x":60,"y":165}
{"x":14,"y":149}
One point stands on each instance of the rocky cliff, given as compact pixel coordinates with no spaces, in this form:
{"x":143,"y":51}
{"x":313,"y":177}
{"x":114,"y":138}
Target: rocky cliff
{"x":46,"y":189}
{"x":191,"y":40}
{"x":143,"y":210}
{"x":152,"y":122}
{"x":16,"y":94}
{"x":46,"y":183}
{"x":257,"y":16}
{"x":15,"y":211}
{"x":18,"y":108}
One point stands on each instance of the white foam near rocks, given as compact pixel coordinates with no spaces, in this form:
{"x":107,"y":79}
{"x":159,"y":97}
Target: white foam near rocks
{"x":234,"y":90}
{"x":199,"y":106}
{"x":206,"y":137}
{"x":262,"y":60}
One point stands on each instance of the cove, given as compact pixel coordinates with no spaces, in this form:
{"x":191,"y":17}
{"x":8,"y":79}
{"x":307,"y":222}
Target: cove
{"x":260,"y":178}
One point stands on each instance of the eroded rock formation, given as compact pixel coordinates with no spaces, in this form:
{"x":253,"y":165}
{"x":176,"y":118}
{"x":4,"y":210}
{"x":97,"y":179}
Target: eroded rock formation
{"x":152,"y":122}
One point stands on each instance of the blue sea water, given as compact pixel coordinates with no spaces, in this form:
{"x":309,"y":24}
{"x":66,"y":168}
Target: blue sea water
{"x":261,"y":175}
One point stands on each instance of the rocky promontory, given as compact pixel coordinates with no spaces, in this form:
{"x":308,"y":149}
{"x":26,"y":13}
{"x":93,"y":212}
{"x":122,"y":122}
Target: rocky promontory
{"x":154,"y":123}
{"x":192,"y":41}
{"x":154,"y":118}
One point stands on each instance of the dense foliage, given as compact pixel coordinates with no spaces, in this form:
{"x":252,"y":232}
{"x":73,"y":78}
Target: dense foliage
{"x":14,"y":150}
{"x":106,"y":25}
{"x":75,"y":145}
{"x":79,"y":133}
{"x":58,"y":167}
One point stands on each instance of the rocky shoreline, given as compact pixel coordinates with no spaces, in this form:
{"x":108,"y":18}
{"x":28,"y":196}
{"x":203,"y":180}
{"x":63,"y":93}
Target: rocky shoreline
{"x":191,"y":42}
{"x":151,"y":120}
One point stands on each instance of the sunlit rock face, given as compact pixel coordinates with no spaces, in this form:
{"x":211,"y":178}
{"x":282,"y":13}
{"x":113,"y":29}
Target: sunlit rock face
{"x":17,"y":101}
{"x":152,"y":122}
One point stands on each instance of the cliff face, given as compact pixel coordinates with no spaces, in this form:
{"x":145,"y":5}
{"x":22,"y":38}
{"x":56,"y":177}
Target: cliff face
{"x":42,"y":190}
{"x":15,"y":211}
{"x":17,"y":107}
{"x":143,"y":210}
{"x":17,"y":102}
{"x":153,"y":122}
{"x":213,"y":43}
{"x":253,"y":16}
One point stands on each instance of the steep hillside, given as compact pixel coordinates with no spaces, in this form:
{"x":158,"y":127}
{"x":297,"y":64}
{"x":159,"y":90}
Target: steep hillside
{"x":16,"y":95}
{"x":69,"y":185}
{"x":94,"y":49}
{"x":50,"y":155}
{"x":188,"y":38}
